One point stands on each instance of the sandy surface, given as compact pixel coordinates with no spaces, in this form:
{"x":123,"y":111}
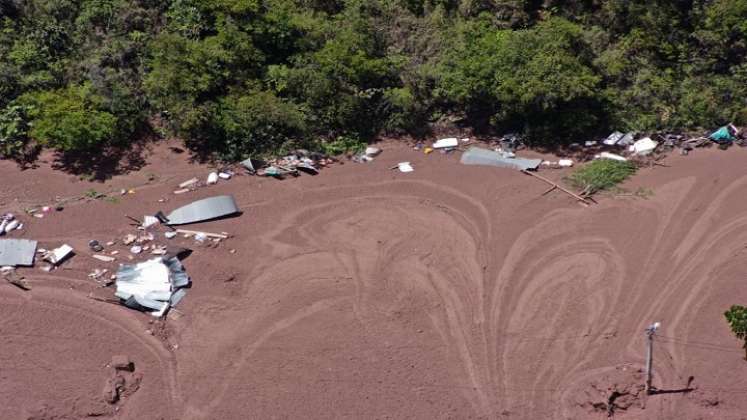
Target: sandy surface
{"x":449,"y":292}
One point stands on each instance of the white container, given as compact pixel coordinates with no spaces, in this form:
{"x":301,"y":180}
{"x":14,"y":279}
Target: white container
{"x":212,"y":178}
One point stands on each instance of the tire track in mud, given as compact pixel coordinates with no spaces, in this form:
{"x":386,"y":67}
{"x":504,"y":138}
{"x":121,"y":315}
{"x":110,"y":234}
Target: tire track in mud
{"x":396,"y":249}
{"x":99,"y":317}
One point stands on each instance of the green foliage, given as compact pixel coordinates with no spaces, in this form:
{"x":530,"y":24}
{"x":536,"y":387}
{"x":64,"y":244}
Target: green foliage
{"x":602,"y":174}
{"x":238,"y":77}
{"x":68,"y":120}
{"x":736,"y":316}
{"x":255,"y":123}
{"x":342,"y":145}
{"x":14,"y":129}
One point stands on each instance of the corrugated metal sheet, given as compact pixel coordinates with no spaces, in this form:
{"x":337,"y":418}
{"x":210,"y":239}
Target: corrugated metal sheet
{"x":202,"y":210}
{"x":17,"y":252}
{"x":479,"y":156}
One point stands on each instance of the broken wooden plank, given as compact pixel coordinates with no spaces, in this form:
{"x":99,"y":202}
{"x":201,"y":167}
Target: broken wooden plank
{"x":582,"y":200}
{"x":199,"y":232}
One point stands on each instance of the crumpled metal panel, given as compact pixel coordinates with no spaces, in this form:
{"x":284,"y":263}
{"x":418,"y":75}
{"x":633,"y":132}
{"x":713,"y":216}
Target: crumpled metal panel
{"x":17,"y":252}
{"x":479,"y":156}
{"x":202,"y":210}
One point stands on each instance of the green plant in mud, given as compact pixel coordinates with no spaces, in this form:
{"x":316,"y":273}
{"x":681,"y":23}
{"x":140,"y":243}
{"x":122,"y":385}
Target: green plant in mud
{"x":736,"y":316}
{"x":602,"y":174}
{"x":342,"y":145}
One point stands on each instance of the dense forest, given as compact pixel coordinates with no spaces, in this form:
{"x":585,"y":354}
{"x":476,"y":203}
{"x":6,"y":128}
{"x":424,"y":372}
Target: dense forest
{"x":245,"y":77}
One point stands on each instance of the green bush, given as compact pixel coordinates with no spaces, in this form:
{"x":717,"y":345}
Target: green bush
{"x":342,"y":145}
{"x":602,"y":174}
{"x":255,"y":123}
{"x":69,"y":121}
{"x":14,"y":129}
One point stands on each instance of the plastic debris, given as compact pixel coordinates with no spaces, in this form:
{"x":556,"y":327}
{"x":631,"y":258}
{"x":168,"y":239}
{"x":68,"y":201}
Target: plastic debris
{"x":225,"y":175}
{"x":103,"y":258}
{"x":612,"y":156}
{"x":189,"y":183}
{"x":613,"y":138}
{"x":212,"y":178}
{"x":202,"y":210}
{"x":405,"y":167}
{"x":136,"y":249}
{"x":447,"y":142}
{"x":479,"y":156}
{"x":151,"y":285}
{"x":149,"y":221}
{"x":643,"y":146}
{"x":565,"y":163}
{"x":58,"y":255}
{"x":724,"y":134}
{"x":95,"y":246}
{"x":169,"y":235}
{"x":17,"y":252}
{"x":129,"y":239}
{"x":372,"y":151}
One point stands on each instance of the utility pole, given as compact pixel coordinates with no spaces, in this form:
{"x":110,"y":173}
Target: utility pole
{"x":650,"y":354}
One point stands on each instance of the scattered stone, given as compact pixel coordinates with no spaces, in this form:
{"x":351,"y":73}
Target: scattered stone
{"x":129,"y":239}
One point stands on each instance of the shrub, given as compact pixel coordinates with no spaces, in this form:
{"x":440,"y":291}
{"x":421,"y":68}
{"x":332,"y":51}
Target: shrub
{"x":736,"y":316}
{"x":67,"y":120}
{"x":13,"y":131}
{"x":602,"y":174}
{"x":342,"y":145}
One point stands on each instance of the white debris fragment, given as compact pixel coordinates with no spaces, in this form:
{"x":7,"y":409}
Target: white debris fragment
{"x":136,"y":249}
{"x":224,"y":175}
{"x":169,"y":235}
{"x":212,"y":178}
{"x":612,"y":156}
{"x":372,"y":152}
{"x":566,"y":163}
{"x":447,"y":142}
{"x":643,"y":146}
{"x":188,"y":183}
{"x":405,"y":167}
{"x":149,"y":221}
{"x":57,"y":255}
{"x":103,"y":258}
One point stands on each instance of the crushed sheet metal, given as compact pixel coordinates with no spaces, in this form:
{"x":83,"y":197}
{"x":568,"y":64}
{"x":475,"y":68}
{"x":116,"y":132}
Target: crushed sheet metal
{"x":202,"y":210}
{"x":152,"y":285}
{"x":15,"y":252}
{"x":479,"y":156}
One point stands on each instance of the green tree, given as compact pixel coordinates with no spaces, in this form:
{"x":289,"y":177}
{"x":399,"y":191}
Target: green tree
{"x":68,"y":120}
{"x":736,"y":316}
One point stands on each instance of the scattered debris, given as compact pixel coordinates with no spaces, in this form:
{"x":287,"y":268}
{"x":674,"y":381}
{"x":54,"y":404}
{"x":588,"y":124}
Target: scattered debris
{"x":189,"y":183}
{"x":169,"y":234}
{"x":9,"y":223}
{"x":445,"y":143}
{"x":225,"y":175}
{"x":149,"y":221}
{"x":136,"y":249}
{"x":150,"y":285}
{"x":129,"y":239}
{"x":251,"y":165}
{"x":95,"y":246}
{"x":196,"y":232}
{"x":10,"y":275}
{"x":643,"y":146}
{"x":182,"y":191}
{"x":479,"y":156}
{"x":405,"y":167}
{"x":202,"y":210}
{"x":103,"y":258}
{"x":212,"y":178}
{"x":612,"y":156}
{"x":372,"y":152}
{"x":122,"y":362}
{"x":565,"y":163}
{"x":58,"y":255}
{"x":725,"y":134}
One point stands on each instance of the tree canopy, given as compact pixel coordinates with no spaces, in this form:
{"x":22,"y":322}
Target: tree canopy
{"x":240,"y":77}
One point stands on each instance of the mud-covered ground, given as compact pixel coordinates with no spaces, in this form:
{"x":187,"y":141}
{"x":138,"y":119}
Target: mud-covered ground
{"x":449,"y":292}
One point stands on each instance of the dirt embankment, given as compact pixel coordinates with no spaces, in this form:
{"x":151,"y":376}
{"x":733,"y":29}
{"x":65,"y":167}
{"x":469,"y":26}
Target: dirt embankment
{"x":449,"y":292}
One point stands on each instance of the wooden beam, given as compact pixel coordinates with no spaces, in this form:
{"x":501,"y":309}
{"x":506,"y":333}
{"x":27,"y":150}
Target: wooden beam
{"x":582,"y":200}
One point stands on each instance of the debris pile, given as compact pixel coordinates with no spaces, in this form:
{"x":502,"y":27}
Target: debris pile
{"x":152,"y":286}
{"x":300,"y":160}
{"x":9,"y":223}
